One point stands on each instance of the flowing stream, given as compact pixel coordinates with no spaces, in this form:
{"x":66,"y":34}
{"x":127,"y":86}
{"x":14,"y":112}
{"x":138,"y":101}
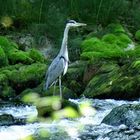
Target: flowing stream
{"x":71,"y":126}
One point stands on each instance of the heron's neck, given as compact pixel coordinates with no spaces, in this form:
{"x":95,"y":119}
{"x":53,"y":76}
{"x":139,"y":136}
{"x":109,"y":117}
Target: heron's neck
{"x":63,"y":49}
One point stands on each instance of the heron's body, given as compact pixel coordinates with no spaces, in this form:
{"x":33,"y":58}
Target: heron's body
{"x":59,"y":65}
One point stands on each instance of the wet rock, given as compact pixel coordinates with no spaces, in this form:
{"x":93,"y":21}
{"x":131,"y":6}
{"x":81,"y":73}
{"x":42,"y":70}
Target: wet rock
{"x":58,"y":134}
{"x":15,"y":72}
{"x":94,"y":132}
{"x":124,"y":114}
{"x":122,"y":135}
{"x":74,"y":77}
{"x":123,"y":127}
{"x":106,"y":132}
{"x":129,"y":132}
{"x":7,"y":119}
{"x":137,"y":127}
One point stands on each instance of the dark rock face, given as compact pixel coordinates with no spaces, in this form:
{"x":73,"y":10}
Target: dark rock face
{"x":125,"y":114}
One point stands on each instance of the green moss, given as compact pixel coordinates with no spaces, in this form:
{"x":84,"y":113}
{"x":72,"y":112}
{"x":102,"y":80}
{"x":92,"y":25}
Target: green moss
{"x":136,"y":64}
{"x":32,"y":74}
{"x":134,"y":53}
{"x":8,"y":92}
{"x":125,"y":84}
{"x":91,"y":44}
{"x":111,"y":46}
{"x":110,"y":38}
{"x":14,"y":55}
{"x":7,"y":45}
{"x":19,"y":57}
{"x":115,"y":28}
{"x":124,"y":38}
{"x":137,"y":35}
{"x":101,"y":84}
{"x":36,"y":55}
{"x":3,"y":79}
{"x":11,"y":67}
{"x":3,"y":58}
{"x":90,"y":55}
{"x":101,"y":50}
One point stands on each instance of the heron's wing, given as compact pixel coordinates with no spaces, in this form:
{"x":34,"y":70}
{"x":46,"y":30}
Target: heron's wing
{"x":55,"y":70}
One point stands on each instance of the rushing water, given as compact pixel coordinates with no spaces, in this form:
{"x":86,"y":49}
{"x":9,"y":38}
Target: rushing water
{"x":72,"y":127}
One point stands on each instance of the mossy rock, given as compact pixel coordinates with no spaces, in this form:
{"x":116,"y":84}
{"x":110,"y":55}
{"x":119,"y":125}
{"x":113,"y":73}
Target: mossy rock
{"x":136,"y":64}
{"x":121,"y":39}
{"x":36,"y":55}
{"x":111,"y":46}
{"x":115,"y":28}
{"x":137,"y":35}
{"x":19,"y":57}
{"x":3,"y":58}
{"x":15,"y":55}
{"x":112,"y":81}
{"x":3,"y":78}
{"x":11,"y":50}
{"x":125,"y":114}
{"x":101,"y":85}
{"x":66,"y":93}
{"x":110,"y":51}
{"x":74,"y":76}
{"x":110,"y":38}
{"x":7,"y":92}
{"x":125,"y":87}
{"x":7,"y":45}
{"x":124,"y":38}
{"x":91,"y":44}
{"x":27,"y":76}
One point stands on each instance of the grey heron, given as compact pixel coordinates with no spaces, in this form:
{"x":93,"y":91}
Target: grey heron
{"x":59,"y":65}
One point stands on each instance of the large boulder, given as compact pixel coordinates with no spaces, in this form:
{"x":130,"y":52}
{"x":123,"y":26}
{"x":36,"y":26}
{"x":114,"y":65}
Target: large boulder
{"x":19,"y":69}
{"x":125,"y":114}
{"x":113,"y":81}
{"x":73,"y":79}
{"x":113,"y":65}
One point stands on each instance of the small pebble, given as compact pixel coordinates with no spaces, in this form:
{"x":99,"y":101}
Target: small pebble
{"x":123,"y":127}
{"x":130,"y":131}
{"x":137,"y":127}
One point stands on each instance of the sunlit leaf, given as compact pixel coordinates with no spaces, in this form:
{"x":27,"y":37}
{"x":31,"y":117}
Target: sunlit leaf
{"x":86,"y":109}
{"x":43,"y":133}
{"x":6,"y":21}
{"x":31,"y":97}
{"x":28,"y":138}
{"x":67,"y":112}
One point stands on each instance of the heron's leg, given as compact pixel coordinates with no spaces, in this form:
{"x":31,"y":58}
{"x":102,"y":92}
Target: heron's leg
{"x":60,"y":87}
{"x":54,"y":88}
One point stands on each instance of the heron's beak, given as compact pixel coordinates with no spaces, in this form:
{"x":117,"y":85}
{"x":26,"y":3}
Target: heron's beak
{"x":81,"y":24}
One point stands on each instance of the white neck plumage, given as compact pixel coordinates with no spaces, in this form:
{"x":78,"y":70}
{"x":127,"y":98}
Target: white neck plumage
{"x":63,"y":49}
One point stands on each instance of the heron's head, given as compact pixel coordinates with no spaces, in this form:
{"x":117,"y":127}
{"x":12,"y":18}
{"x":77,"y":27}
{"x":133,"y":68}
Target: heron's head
{"x":73,"y":23}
